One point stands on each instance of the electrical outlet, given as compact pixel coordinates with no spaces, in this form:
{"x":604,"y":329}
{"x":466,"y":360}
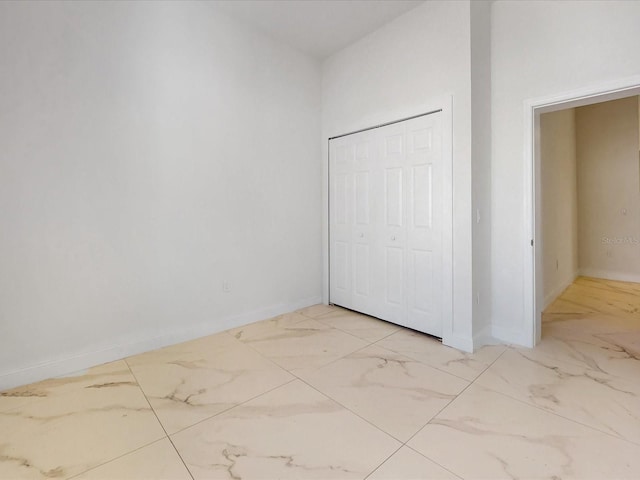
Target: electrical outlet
{"x":226,"y":286}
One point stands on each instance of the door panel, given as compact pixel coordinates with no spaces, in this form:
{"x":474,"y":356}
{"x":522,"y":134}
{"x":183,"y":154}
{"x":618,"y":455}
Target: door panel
{"x":341,"y":198}
{"x":424,"y":231}
{"x":421,"y":278}
{"x":393,"y":197}
{"x":394,"y":273}
{"x":341,"y":250}
{"x":342,"y":155}
{"x":362,"y":270}
{"x":421,"y":189}
{"x":362,"y":198}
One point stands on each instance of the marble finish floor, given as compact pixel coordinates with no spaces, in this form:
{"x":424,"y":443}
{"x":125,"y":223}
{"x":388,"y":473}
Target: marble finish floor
{"x":326,"y":393}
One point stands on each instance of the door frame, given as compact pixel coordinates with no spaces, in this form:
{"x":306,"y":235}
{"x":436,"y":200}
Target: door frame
{"x":533,"y":108}
{"x":444,"y":104}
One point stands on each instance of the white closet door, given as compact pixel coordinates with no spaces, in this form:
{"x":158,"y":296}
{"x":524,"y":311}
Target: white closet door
{"x":352,"y":228}
{"x":342,"y":156}
{"x":385,"y":222}
{"x":363,"y":233}
{"x":424,"y":224}
{"x":391,"y":222}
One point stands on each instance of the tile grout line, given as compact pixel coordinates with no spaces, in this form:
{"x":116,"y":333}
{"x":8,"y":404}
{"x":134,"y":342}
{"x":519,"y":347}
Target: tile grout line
{"x":248,"y":344}
{"x":296,"y":377}
{"x":453,"y":400}
{"x":400,"y":329}
{"x":406,"y":444}
{"x":115,"y":458}
{"x":368,"y":421}
{"x":240,"y":342}
{"x":375,"y":343}
{"x":348,"y":409}
{"x":432,"y":460}
{"x":407,"y":355}
{"x":229,"y":330}
{"x":331,"y":362}
{"x":383,"y":462}
{"x":233,"y":406}
{"x":555,"y":414}
{"x":167,"y":436}
{"x":403,"y":443}
{"x":524,"y":402}
{"x":140,"y":447}
{"x":371,"y":342}
{"x":438,"y":413}
{"x":433,"y":365}
{"x":507,"y":347}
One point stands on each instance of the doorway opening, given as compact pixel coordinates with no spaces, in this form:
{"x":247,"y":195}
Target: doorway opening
{"x":579,"y":240}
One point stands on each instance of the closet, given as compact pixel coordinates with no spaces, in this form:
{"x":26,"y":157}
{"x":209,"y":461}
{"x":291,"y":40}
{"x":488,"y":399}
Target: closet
{"x":385,"y":222}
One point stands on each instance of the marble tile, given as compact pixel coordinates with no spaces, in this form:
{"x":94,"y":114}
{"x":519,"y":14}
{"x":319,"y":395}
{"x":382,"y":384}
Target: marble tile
{"x":187,"y":387}
{"x":616,"y":286}
{"x":432,"y":352}
{"x":315,"y":310}
{"x":211,"y":344}
{"x":591,"y":397}
{"x":568,"y":408}
{"x":70,"y":432}
{"x":265,"y":327}
{"x":624,"y":342}
{"x":109,"y":373}
{"x":588,"y":322}
{"x":397,"y":394}
{"x":484,"y":434}
{"x":407,"y":464}
{"x":607,"y":297}
{"x":304,"y":345}
{"x":362,"y":326}
{"x":292,"y":432}
{"x":153,"y":462}
{"x":605,"y":337}
{"x":615,"y":353}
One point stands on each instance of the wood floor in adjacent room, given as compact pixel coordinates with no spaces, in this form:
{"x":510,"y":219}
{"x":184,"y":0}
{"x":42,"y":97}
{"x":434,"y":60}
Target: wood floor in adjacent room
{"x":325,"y":393}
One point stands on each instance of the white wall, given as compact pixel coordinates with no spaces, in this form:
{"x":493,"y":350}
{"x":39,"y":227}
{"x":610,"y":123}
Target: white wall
{"x":609,"y":189}
{"x":559,"y":201}
{"x":149,"y":152}
{"x":420,"y":56}
{"x":480,"y":28}
{"x":541,"y":49}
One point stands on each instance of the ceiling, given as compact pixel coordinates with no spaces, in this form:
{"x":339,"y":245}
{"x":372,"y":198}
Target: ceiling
{"x":316,"y":27}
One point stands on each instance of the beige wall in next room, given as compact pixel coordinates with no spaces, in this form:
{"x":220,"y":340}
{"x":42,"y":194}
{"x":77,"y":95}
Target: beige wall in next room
{"x":609,"y":189}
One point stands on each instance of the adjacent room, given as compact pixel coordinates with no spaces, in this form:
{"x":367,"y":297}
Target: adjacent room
{"x":329,"y":239}
{"x":590,"y":194}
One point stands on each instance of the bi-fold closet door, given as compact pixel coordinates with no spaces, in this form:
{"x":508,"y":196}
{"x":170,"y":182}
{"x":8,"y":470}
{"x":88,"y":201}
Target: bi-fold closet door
{"x":385,"y":222}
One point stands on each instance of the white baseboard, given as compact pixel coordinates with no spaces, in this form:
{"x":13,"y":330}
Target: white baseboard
{"x":469,"y":344}
{"x":144,"y":342}
{"x":485,"y":337}
{"x":610,"y":275}
{"x":556,"y":292}
{"x":511,"y":336}
{"x":459,"y":342}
